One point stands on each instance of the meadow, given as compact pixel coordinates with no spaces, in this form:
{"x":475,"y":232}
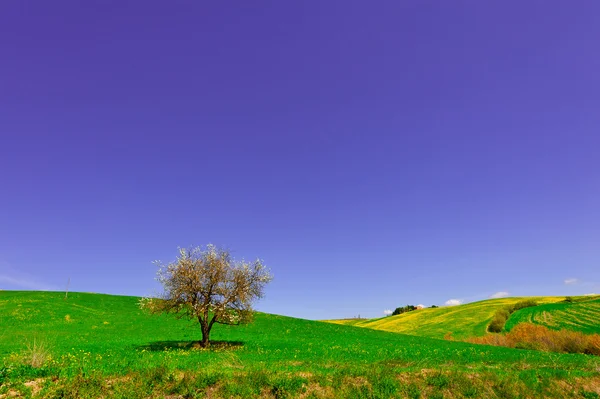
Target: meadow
{"x":103,"y":346}
{"x":582,"y":315}
{"x":459,"y":322}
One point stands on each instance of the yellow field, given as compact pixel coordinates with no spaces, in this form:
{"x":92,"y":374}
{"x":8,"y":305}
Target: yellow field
{"x":462,"y":321}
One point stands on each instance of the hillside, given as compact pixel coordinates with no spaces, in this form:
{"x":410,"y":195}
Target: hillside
{"x":462,"y":321}
{"x":104,"y":346}
{"x":583,"y":316}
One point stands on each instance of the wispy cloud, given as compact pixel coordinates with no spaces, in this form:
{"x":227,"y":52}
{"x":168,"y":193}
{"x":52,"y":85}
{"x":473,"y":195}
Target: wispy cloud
{"x":571,"y":281}
{"x":387,"y":312}
{"x":10,"y":278}
{"x":26,"y":283}
{"x":500,"y":294}
{"x":453,"y":302}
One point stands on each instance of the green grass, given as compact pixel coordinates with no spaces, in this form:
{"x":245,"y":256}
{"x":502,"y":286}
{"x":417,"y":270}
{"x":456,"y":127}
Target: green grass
{"x":582,"y":315}
{"x":104,"y":346}
{"x":463,"y":321}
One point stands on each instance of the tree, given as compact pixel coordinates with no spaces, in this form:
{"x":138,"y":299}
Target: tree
{"x":400,"y":310}
{"x":208,"y":285}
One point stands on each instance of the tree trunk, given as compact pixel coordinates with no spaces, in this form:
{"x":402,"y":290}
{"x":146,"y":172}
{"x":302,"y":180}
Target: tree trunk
{"x":205,"y":327}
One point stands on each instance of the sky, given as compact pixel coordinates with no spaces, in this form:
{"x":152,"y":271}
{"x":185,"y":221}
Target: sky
{"x":373,"y":154}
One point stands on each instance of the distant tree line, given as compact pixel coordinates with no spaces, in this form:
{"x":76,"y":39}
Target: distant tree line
{"x":405,"y":309}
{"x":585,"y":298}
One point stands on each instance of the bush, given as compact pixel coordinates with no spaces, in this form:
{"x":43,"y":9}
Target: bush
{"x":499,"y":320}
{"x":496,"y":325}
{"x":407,"y":308}
{"x":502,"y":314}
{"x":536,"y":337}
{"x":527,"y":303}
{"x":593,"y":347}
{"x":574,"y":342}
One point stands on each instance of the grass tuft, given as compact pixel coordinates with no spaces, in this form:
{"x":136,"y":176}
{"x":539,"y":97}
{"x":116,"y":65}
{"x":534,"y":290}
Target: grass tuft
{"x":36,"y":353}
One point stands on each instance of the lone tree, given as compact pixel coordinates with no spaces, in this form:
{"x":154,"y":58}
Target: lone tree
{"x":208,"y":285}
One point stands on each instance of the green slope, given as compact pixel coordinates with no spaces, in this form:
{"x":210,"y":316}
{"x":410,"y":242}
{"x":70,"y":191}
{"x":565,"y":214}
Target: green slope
{"x":463,"y":321}
{"x":105,"y":345}
{"x":581,"y":316}
{"x":99,"y":323}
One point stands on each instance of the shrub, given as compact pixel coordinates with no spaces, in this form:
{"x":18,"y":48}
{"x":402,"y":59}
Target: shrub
{"x":400,"y":310}
{"x":502,"y":314}
{"x":499,"y":320}
{"x":490,"y":339}
{"x":593,"y":347}
{"x":496,"y":325}
{"x":574,"y":342}
{"x":527,"y":303}
{"x":536,"y":337}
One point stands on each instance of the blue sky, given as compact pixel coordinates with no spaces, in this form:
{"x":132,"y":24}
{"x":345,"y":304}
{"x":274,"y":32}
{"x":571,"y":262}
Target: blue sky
{"x":373,"y":155}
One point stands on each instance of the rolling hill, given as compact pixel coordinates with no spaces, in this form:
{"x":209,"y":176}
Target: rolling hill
{"x":94,"y":345}
{"x":462,"y":321}
{"x":583,"y":315}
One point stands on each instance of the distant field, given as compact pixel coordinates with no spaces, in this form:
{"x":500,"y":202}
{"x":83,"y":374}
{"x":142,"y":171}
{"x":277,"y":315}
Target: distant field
{"x":581,"y":316}
{"x":347,"y":322}
{"x":103,"y":346}
{"x":463,"y":321}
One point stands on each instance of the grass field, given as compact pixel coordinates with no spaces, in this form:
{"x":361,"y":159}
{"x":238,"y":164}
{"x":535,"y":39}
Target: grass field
{"x":463,"y":321}
{"x":104,"y":346}
{"x":581,"y":316}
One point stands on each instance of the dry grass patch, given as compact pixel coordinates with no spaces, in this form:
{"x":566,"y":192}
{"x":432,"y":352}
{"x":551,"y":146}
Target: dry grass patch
{"x":315,"y":390}
{"x":536,"y":337}
{"x":35,"y":385}
{"x":589,"y":384}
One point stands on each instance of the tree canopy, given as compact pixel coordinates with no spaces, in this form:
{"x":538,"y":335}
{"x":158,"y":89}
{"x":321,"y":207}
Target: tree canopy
{"x":404,"y":309}
{"x":208,"y":285}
